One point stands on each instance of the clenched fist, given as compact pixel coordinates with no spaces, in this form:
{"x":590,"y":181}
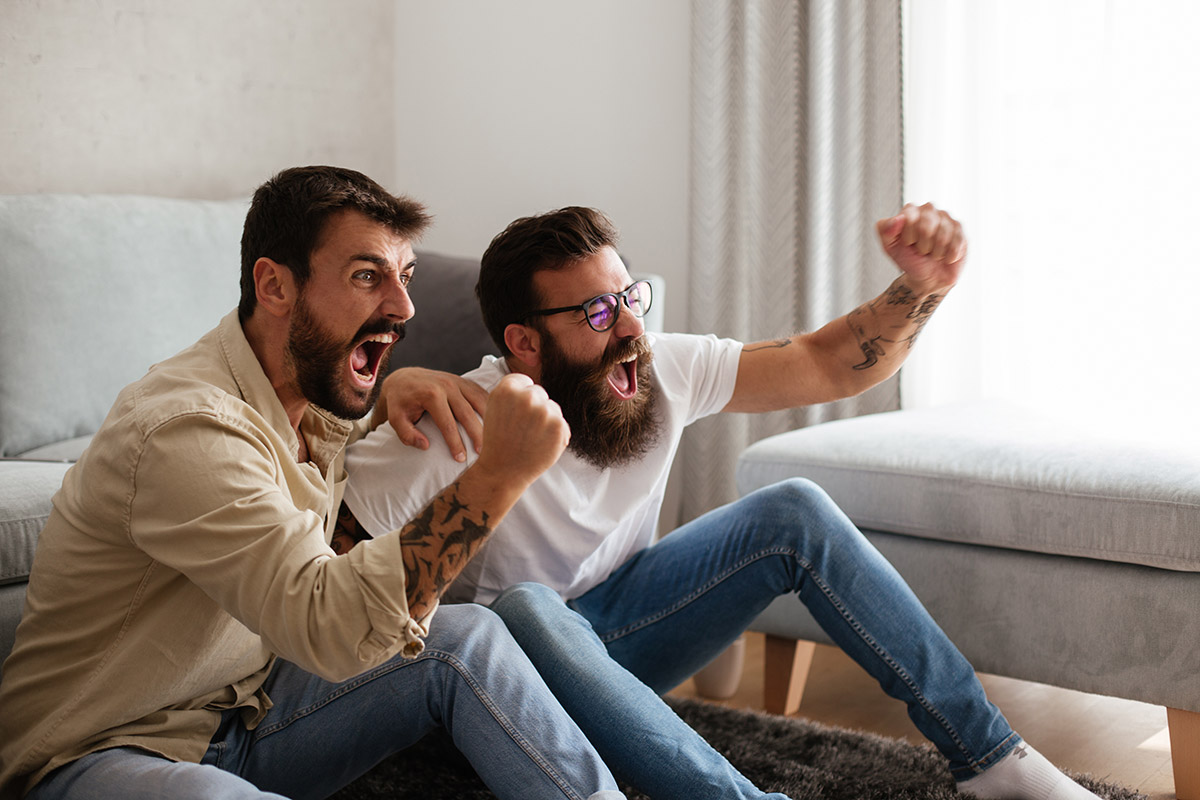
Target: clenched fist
{"x":524,"y":432}
{"x":926,"y":243}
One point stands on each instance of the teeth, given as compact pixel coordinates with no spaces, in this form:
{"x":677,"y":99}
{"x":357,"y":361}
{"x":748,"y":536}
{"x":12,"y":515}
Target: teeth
{"x":382,"y":338}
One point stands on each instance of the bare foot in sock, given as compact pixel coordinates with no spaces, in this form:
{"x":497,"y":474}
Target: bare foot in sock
{"x":1024,"y":774}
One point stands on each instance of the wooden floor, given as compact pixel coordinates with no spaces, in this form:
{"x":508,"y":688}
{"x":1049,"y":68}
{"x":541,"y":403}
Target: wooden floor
{"x":1120,"y":741}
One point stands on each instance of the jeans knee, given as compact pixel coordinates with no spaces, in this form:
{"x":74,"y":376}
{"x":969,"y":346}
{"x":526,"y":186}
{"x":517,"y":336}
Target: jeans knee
{"x":786,"y":498}
{"x":524,"y":603}
{"x":465,"y":628}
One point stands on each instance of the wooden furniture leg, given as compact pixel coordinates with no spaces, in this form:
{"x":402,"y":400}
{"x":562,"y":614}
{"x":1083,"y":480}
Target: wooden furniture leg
{"x":787,"y":662}
{"x":1184,"y":728}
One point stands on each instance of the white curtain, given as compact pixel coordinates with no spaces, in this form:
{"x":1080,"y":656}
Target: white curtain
{"x":796,"y":151}
{"x":1064,"y":134}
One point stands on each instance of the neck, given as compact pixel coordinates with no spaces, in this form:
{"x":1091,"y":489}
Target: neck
{"x":268,"y":339}
{"x":516,"y":365}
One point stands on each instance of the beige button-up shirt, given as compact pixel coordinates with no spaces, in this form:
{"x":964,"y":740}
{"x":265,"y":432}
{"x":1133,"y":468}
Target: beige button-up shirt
{"x":186,"y":549}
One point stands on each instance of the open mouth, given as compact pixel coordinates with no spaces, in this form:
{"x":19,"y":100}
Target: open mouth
{"x":368,"y":356}
{"x":623,"y":378}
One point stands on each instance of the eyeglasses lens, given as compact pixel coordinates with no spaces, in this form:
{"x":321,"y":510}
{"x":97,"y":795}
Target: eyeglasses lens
{"x":638,"y":298}
{"x":602,"y":312}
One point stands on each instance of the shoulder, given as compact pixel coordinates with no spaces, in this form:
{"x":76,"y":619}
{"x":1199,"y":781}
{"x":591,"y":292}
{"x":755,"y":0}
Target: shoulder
{"x":688,"y":352}
{"x":180,"y":389}
{"x":696,"y":373}
{"x":195,"y":389}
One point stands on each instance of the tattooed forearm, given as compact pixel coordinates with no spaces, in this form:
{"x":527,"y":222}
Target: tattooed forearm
{"x":900,"y":295}
{"x":865,"y":323}
{"x":872,"y":350}
{"x":876,"y":324}
{"x":920,"y":316}
{"x":437,"y":545}
{"x":775,"y":345}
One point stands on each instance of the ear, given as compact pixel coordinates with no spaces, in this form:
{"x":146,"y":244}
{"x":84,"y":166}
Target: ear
{"x":525,"y":344}
{"x":275,"y":287}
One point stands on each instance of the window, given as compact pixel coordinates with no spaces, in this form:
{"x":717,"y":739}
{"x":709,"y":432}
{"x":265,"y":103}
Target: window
{"x":1065,"y":134}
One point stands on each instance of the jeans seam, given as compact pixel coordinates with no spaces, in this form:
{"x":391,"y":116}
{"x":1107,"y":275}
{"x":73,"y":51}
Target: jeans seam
{"x":977,"y":766}
{"x":891,"y":663}
{"x":837,"y":604}
{"x":219,"y":754}
{"x":699,"y":591}
{"x":458,"y":666}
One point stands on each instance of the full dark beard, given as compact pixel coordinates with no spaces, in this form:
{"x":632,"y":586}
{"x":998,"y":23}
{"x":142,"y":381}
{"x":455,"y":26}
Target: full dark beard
{"x":319,"y":360}
{"x":605,"y":430}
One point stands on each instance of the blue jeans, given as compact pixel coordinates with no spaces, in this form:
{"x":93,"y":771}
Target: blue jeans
{"x":319,"y":736}
{"x":672,"y":607}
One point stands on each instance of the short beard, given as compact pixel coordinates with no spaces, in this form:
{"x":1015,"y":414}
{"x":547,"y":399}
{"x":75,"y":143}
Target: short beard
{"x":319,"y":361}
{"x":605,"y":431}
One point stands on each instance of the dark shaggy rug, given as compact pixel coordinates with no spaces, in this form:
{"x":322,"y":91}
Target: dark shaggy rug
{"x":801,"y":759}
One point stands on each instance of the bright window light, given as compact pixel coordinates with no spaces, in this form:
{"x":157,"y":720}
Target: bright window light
{"x":1065,"y":134}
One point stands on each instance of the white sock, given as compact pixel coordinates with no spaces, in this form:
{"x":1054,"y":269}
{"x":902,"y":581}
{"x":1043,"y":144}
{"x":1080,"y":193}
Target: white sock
{"x":1024,"y":774}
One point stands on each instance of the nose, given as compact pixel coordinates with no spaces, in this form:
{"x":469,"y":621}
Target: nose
{"x":628,"y":326}
{"x":398,"y":304}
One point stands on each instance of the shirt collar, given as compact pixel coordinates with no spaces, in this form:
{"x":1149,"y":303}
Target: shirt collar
{"x":327,"y":435}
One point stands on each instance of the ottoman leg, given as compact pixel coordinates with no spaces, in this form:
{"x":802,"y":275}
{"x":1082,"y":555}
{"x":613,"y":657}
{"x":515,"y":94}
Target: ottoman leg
{"x":1184,"y":727}
{"x":787,"y":662}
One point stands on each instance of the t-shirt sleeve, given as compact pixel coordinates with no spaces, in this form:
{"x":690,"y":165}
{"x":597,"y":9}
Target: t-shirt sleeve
{"x":390,"y":483}
{"x":700,"y":369}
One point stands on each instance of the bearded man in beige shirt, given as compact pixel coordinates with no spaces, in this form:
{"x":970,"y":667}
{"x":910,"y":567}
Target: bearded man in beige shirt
{"x":189,"y":633}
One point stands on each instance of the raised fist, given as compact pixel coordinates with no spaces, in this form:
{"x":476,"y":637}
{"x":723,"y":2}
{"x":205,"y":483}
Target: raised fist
{"x":524,"y":432}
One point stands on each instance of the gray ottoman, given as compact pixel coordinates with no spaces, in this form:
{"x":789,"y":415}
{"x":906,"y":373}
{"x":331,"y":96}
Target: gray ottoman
{"x":1044,"y":553}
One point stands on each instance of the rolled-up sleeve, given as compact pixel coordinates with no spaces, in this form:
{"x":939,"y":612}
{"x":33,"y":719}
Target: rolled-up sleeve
{"x":214,"y":501}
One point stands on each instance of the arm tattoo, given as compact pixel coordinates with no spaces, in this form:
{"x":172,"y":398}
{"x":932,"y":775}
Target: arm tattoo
{"x":435,"y":552}
{"x":872,"y":350}
{"x":775,"y":345}
{"x":900,"y":295}
{"x":868,"y":327}
{"x":920,"y":317}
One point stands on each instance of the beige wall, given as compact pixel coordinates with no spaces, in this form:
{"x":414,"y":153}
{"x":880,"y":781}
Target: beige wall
{"x":191,"y":99}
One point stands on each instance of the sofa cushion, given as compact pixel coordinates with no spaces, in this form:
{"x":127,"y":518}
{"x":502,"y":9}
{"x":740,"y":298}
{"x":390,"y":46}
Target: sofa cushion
{"x":96,"y":290}
{"x":447,"y":330}
{"x":25,"y":491}
{"x":66,"y":450}
{"x":999,"y":476}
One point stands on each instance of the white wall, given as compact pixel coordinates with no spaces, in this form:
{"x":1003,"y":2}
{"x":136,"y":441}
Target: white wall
{"x":511,"y":108}
{"x":187,"y":99}
{"x":486,"y":111}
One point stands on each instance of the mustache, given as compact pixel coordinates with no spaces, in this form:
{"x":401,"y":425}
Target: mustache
{"x":381,"y":326}
{"x":623,"y":350}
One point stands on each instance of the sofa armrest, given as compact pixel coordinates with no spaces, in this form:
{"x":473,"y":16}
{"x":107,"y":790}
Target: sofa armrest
{"x":26,"y":489}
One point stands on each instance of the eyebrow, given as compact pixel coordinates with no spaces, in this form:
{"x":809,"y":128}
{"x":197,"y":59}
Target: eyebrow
{"x":379,"y":261}
{"x":372,"y":258}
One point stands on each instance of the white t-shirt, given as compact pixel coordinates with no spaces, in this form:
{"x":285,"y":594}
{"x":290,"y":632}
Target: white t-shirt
{"x":576,"y":523}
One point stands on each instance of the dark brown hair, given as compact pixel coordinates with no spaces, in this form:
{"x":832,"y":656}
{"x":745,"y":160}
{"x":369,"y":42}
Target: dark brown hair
{"x":528,"y":245}
{"x":289,"y":212}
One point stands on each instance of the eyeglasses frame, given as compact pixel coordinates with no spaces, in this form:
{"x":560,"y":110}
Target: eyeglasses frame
{"x":618,"y":298}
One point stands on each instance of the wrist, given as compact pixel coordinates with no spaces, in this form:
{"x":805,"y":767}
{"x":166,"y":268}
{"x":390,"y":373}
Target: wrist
{"x":923,"y":289}
{"x":493,"y":487}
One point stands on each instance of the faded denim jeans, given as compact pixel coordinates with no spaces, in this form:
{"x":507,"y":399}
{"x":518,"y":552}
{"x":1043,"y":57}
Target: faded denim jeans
{"x":674,"y":606}
{"x":319,"y":736}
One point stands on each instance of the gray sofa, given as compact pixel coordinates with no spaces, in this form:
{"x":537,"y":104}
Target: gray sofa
{"x":98,"y":288}
{"x":1046,"y":554}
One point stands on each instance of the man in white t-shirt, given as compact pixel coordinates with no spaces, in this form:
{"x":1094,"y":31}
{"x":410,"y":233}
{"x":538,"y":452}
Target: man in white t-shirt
{"x":612,"y":619}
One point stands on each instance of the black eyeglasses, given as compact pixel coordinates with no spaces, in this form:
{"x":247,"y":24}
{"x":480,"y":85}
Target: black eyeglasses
{"x":602,"y":311}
